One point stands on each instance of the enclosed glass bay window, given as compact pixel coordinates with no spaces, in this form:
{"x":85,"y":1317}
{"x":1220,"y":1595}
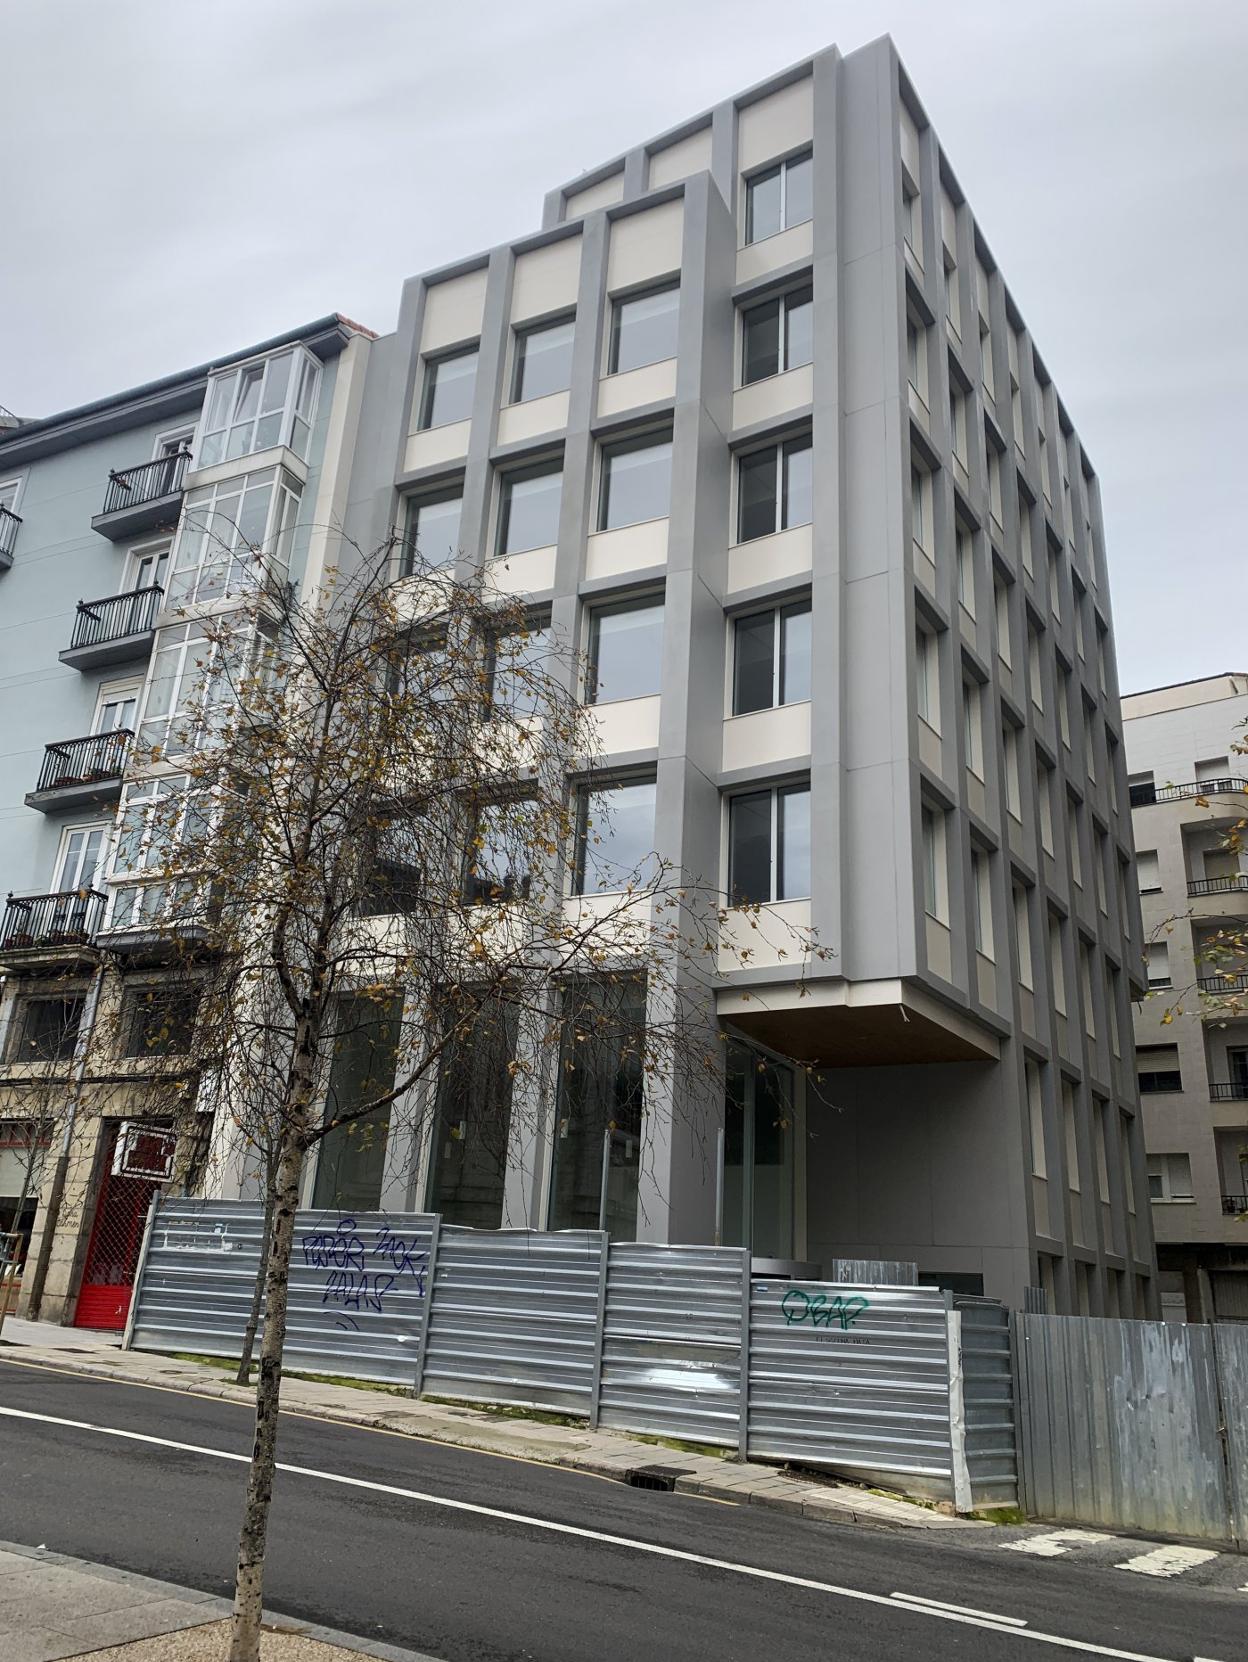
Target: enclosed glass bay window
{"x":258,"y":405}
{"x":232,"y":534}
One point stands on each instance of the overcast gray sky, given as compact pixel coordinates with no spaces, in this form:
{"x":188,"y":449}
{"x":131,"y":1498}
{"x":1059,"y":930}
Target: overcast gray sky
{"x":183,"y":177}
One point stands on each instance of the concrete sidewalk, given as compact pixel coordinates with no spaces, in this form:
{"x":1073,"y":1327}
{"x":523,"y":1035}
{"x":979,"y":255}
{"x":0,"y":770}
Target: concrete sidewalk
{"x":53,"y":1607}
{"x":605,"y":1453}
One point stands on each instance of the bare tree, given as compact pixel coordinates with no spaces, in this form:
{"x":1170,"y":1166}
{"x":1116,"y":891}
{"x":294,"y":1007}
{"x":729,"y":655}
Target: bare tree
{"x":379,"y":833}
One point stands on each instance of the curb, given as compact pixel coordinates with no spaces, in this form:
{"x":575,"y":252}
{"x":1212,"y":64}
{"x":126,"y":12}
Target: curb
{"x":215,"y":1608}
{"x":721,"y":1480}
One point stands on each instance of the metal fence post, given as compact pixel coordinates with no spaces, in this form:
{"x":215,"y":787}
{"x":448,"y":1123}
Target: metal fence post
{"x":127,"y":1338}
{"x":959,"y":1469}
{"x":1022,"y":1406}
{"x":743,"y":1415}
{"x":595,"y":1400}
{"x":422,"y":1341}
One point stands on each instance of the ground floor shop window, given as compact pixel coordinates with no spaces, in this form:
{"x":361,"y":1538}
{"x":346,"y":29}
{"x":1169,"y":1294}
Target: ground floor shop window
{"x":352,"y":1157}
{"x":597,"y":1151}
{"x":468,"y":1158}
{"x":759,"y":1165}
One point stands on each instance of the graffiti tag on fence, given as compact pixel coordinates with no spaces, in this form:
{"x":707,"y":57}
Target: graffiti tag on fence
{"x":360,"y":1276}
{"x":819,"y":1310}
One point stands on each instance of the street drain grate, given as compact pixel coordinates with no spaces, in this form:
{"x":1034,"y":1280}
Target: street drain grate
{"x":655,"y":1477}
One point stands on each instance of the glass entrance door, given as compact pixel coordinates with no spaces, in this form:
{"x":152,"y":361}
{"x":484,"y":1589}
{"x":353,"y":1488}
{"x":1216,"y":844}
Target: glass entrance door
{"x":759,"y":1165}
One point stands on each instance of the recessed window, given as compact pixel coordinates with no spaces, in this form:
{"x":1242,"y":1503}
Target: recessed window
{"x":543,"y":360}
{"x":1013,"y":778}
{"x":47,"y":1030}
{"x":160,"y":1020}
{"x":769,"y":846}
{"x":973,"y":727}
{"x":258,"y":405}
{"x":1148,"y":870}
{"x":1169,"y":1177}
{"x":1057,"y":963}
{"x":994,"y":483}
{"x":927,"y":676}
{"x":1157,"y":961}
{"x":775,"y":489}
{"x":916,"y":359}
{"x":1022,"y":937}
{"x":921,"y":509}
{"x":615,"y":835}
{"x":778,"y":198}
{"x":636,"y":482}
{"x":625,"y":652}
{"x":643,"y":329}
{"x":498,"y":862}
{"x":448,"y":390}
{"x":935,"y":875}
{"x":777,"y":335}
{"x":1157,"y":1069}
{"x":966,"y":567}
{"x":519,"y":664}
{"x":1001,"y":601}
{"x":912,"y":217}
{"x":528,"y":511}
{"x":981,"y":897}
{"x":432,"y":530}
{"x":771,"y":658}
{"x":957,"y":421}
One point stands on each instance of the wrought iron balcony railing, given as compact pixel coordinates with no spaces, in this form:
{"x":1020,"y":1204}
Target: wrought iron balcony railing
{"x":1236,"y":884}
{"x":9,"y":523}
{"x":1229,"y":1090}
{"x":1143,"y":796}
{"x":115,"y":617}
{"x":41,"y":921}
{"x":148,"y":483}
{"x":1232,"y":1204}
{"x":95,"y":760}
{"x":1223,"y":983}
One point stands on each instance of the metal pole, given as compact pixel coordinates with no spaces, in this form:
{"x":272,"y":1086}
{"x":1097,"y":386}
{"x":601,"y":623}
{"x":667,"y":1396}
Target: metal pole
{"x":959,"y":1470}
{"x":606,"y":1168}
{"x":127,"y":1338}
{"x":600,"y":1333}
{"x":719,"y":1187}
{"x":743,"y":1413}
{"x":422,"y":1342}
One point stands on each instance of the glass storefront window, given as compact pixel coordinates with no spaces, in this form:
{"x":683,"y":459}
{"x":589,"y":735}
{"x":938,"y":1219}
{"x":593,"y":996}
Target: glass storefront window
{"x":759,"y":1154}
{"x":352,"y":1157}
{"x":468,"y":1163}
{"x":601,"y":1098}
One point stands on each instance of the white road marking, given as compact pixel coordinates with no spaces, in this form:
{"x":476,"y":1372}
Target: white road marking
{"x":962,"y":1609}
{"x":1055,"y":1542}
{"x":936,"y":1613}
{"x":1167,"y":1560}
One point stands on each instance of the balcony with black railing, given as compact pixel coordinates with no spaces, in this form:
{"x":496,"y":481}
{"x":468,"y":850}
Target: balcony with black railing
{"x":1229,"y":1090}
{"x":50,"y":923}
{"x":142,"y":498}
{"x":1236,"y":883}
{"x":1233,"y":1204}
{"x":113,"y":630}
{"x":1228,"y":983}
{"x":81,"y":773}
{"x":1145,"y":795}
{"x":10,"y":524}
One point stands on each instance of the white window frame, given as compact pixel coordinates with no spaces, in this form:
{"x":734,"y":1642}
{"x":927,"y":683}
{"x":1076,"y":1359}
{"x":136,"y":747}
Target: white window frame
{"x":296,"y":411}
{"x":15,"y":483}
{"x":1157,"y":958}
{"x":137,"y":554}
{"x":139,"y":894}
{"x":171,"y":441}
{"x":81,"y":879}
{"x":1162,"y":1169}
{"x":117,"y":692}
{"x":223,"y":553}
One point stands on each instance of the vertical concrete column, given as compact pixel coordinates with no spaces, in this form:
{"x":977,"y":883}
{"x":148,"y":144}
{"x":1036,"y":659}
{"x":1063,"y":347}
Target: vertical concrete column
{"x":474,"y":522}
{"x":676,"y":1185}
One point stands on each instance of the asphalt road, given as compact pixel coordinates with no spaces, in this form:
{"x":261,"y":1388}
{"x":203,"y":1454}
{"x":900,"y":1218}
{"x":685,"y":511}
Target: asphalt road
{"x":485,"y":1559}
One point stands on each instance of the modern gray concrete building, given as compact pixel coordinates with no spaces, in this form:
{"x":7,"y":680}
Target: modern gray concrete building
{"x":755,"y":421}
{"x":1189,"y":791}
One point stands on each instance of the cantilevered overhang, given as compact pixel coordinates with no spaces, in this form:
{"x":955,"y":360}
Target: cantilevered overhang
{"x":855,"y":1024}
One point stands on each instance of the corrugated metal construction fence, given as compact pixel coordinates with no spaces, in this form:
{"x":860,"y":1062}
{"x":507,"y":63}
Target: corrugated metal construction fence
{"x":675,"y":1341}
{"x":1137,"y":1425}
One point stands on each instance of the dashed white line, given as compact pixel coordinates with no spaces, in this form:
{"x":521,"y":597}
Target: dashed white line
{"x":1056,"y":1542}
{"x":995,"y":1624}
{"x":1167,"y":1561}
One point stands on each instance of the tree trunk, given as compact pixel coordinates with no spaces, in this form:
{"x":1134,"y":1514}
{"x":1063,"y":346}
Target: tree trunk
{"x":249,"y":1587}
{"x":243,"y":1376}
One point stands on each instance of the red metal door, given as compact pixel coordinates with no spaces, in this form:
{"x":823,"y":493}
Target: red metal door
{"x":113,"y":1250}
